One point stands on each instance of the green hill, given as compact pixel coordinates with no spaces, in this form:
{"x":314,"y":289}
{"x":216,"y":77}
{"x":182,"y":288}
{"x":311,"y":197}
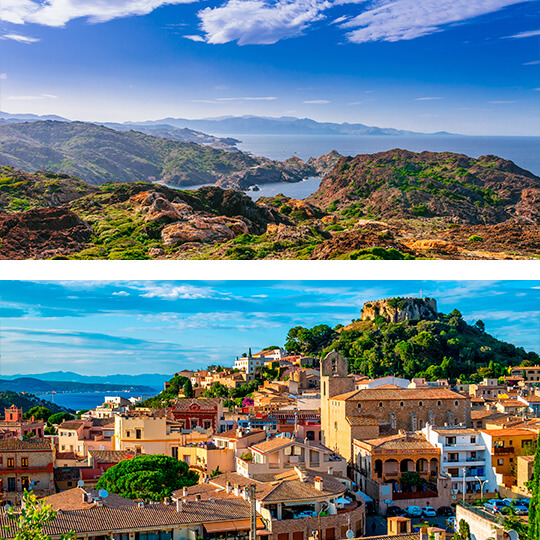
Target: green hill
{"x":98,"y":154}
{"x":26,"y":402}
{"x":444,"y":347}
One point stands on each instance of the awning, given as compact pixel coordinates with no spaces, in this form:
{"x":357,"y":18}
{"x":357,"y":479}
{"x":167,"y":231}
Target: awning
{"x":232,"y":525}
{"x":363,"y":496}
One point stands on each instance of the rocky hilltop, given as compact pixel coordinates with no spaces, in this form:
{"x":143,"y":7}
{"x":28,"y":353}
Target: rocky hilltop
{"x":397,"y":310}
{"x":399,"y":184}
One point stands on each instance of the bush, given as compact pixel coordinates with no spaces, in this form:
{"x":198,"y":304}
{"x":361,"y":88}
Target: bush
{"x":475,"y":238}
{"x":241,"y":253}
{"x":420,"y":210}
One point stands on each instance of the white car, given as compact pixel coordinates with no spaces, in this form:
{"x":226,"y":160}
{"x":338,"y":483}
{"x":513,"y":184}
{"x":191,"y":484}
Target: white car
{"x":428,"y":511}
{"x":413,"y":511}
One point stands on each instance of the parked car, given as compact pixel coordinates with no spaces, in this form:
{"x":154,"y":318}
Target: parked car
{"x":413,"y":511}
{"x":445,"y":511}
{"x":517,"y":505}
{"x":392,"y":511}
{"x":497,"y":506}
{"x":428,"y":511}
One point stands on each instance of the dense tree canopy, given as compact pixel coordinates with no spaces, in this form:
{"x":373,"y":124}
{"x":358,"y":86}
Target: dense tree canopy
{"x":150,"y":477}
{"x":446,"y":347}
{"x":39,"y":413}
{"x":163,"y":399}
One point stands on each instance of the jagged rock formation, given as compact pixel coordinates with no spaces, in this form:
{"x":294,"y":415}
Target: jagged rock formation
{"x":400,"y":309}
{"x":42,"y":233}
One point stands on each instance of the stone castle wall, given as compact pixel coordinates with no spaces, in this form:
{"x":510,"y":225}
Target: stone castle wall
{"x":400,"y":309}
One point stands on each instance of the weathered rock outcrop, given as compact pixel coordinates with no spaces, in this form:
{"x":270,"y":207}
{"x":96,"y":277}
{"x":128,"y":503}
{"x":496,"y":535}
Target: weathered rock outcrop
{"x":400,"y":309}
{"x":42,"y":234}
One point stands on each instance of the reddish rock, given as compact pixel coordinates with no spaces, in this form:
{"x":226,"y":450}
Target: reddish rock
{"x":42,"y":233}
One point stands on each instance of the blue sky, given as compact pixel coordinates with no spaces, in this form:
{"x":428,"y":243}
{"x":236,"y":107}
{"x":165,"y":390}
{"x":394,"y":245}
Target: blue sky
{"x":102,"y":328}
{"x":465,"y":66}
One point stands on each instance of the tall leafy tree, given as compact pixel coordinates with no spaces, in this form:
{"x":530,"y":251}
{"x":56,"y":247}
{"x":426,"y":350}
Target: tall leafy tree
{"x":151,"y":477}
{"x":534,"y":487}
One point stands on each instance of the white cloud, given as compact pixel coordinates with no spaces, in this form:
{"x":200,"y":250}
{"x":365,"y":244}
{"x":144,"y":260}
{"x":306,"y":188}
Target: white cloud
{"x":427,"y":98}
{"x":501,"y":102}
{"x":3,"y":76}
{"x":59,"y":12}
{"x":121,"y":293}
{"x":533,"y":63}
{"x":316,"y":101}
{"x":195,"y":38}
{"x":260,"y":22}
{"x":522,"y":35}
{"x":395,"y":20}
{"x":32,"y":98}
{"x":21,"y":39}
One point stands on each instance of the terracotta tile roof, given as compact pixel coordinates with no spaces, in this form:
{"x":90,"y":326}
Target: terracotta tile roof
{"x":110,"y":456}
{"x":72,"y":499}
{"x":361,"y":421}
{"x":271,"y":444}
{"x":479,"y":415}
{"x":130,"y":518}
{"x":66,"y":455}
{"x":203,"y":403}
{"x":26,"y":444}
{"x":512,"y":432}
{"x":407,"y":443}
{"x":455,"y":431}
{"x":393,"y":394}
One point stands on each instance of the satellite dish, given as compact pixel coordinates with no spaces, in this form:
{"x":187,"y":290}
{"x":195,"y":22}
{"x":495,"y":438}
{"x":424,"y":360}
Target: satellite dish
{"x":349,"y":534}
{"x":387,"y":501}
{"x":103,"y":493}
{"x":80,"y":483}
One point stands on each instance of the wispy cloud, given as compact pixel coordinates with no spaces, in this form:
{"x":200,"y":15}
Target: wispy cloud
{"x":502,"y":102}
{"x":195,"y":38}
{"x":316,"y":101}
{"x":427,"y":98}
{"x":264,"y":98}
{"x":27,"y":40}
{"x":32,"y":98}
{"x":395,"y":20}
{"x":521,"y":35}
{"x":3,"y":76}
{"x":533,"y":63}
{"x":60,"y":12}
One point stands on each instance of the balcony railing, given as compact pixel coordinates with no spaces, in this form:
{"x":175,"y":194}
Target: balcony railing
{"x":503,"y":450}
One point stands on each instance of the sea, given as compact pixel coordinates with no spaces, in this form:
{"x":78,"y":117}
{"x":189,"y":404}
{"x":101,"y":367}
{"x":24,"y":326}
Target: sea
{"x":85,"y":401}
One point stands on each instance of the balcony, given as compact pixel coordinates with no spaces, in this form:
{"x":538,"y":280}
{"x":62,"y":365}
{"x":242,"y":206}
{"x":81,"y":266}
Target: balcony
{"x":502,"y":450}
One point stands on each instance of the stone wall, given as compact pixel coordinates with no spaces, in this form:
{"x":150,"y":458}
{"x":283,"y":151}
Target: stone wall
{"x":482,"y":524}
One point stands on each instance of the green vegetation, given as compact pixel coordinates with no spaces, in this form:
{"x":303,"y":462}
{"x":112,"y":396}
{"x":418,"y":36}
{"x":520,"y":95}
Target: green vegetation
{"x":30,"y":519}
{"x":27,"y":401}
{"x":165,"y":398}
{"x":463,"y":532}
{"x":412,"y":479}
{"x":39,"y":413}
{"x":534,"y":487}
{"x":446,"y":347}
{"x":151,"y":477}
{"x":475,"y":238}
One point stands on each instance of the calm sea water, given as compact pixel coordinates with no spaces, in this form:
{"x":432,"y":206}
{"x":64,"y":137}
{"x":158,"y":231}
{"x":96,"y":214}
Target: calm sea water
{"x":79,"y":401}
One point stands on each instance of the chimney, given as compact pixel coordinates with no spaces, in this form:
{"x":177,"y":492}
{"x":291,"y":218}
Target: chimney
{"x":245,"y":493}
{"x":184,"y":492}
{"x":178,"y":505}
{"x":228,"y":487}
{"x":236,"y":490}
{"x":84,"y":498}
{"x":318,"y":483}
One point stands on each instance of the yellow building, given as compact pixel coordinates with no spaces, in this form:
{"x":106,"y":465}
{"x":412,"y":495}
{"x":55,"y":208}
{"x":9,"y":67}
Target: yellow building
{"x":505,"y":445}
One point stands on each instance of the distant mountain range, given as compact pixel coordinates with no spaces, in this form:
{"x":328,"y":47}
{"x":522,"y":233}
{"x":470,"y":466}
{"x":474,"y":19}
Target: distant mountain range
{"x":284,"y":125}
{"x":232,"y":125}
{"x":151,"y":380}
{"x":33,"y":385}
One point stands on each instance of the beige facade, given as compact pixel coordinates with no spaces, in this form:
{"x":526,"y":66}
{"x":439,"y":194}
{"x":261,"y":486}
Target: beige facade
{"x":348,"y":414}
{"x":280,"y":454}
{"x":146,"y":433}
{"x":80,"y":436}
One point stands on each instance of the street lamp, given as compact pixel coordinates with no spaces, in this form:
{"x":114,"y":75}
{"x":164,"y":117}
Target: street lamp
{"x":482,"y":482}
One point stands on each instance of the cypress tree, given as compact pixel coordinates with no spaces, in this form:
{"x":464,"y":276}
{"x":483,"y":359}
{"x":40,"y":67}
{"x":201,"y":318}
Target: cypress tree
{"x":534,"y":487}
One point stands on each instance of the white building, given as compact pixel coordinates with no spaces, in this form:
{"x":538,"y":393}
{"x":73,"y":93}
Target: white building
{"x":249,"y":364}
{"x":271,"y":354}
{"x":464,"y":457}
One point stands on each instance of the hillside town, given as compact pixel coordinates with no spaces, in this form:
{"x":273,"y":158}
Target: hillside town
{"x":310,"y":452}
